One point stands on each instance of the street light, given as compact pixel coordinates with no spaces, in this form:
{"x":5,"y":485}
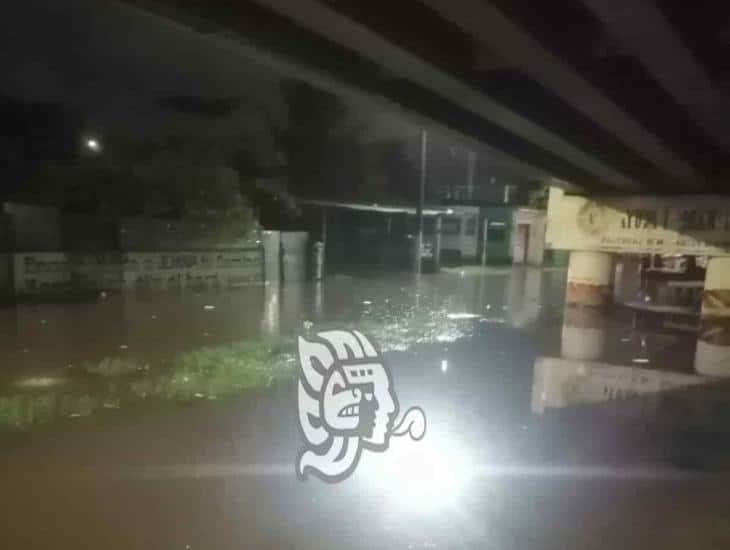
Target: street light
{"x":93,"y":145}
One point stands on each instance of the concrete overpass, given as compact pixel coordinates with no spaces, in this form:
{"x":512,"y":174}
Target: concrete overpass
{"x":607,"y":95}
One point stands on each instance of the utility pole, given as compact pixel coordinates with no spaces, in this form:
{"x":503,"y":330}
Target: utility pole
{"x":471,"y":161}
{"x":421,"y":197}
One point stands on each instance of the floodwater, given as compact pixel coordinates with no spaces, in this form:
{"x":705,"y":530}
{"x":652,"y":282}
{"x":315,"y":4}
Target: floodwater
{"x":129,"y":422}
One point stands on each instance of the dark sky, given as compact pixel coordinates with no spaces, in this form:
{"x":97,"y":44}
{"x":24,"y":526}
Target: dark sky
{"x":114,"y":63}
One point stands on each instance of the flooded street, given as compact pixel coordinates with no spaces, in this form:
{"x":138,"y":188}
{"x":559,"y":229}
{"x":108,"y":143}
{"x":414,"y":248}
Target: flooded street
{"x":170,"y":421}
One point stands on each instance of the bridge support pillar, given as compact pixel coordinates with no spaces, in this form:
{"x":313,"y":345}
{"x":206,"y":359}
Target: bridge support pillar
{"x":590,"y":279}
{"x":713,"y":345}
{"x":589,"y":290}
{"x":583,"y":337}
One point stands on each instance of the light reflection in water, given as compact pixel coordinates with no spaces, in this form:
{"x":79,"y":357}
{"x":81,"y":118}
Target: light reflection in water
{"x":189,"y":346}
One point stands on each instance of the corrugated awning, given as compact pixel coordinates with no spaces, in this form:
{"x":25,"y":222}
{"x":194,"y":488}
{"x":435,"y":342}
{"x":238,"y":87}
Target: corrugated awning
{"x":376,"y":207}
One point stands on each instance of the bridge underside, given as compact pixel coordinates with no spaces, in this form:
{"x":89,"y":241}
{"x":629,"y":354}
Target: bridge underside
{"x":595,"y":108}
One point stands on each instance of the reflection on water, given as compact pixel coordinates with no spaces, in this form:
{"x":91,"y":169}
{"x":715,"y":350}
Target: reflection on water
{"x":560,"y":383}
{"x":644,"y":371}
{"x":119,"y":352}
{"x":73,"y":360}
{"x":123,"y":352}
{"x":565,"y":411}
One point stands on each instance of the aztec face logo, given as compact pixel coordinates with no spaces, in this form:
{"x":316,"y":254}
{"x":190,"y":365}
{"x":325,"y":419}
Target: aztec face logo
{"x":346,"y":403}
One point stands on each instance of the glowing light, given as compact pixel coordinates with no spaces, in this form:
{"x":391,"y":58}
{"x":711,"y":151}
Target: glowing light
{"x":462,"y":315}
{"x":93,"y":145}
{"x":421,"y":477}
{"x":449,"y":211}
{"x":366,"y":302}
{"x":444,"y":365}
{"x":640,"y":360}
{"x":208,"y":307}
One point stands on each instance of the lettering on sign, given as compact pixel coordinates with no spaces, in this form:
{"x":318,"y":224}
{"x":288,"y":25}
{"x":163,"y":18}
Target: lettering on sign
{"x":640,"y":224}
{"x":130,"y":270}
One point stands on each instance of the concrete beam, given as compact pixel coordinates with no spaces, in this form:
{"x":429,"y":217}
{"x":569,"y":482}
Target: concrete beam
{"x":343,"y":31}
{"x":641,"y":27}
{"x":486,"y":24}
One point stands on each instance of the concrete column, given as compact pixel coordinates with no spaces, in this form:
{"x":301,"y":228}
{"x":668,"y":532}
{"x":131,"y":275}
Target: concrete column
{"x":272,"y":256}
{"x":584,"y":333}
{"x":713,"y":346}
{"x":294,"y":259}
{"x":590,"y":279}
{"x":589,"y":290}
{"x":318,"y":258}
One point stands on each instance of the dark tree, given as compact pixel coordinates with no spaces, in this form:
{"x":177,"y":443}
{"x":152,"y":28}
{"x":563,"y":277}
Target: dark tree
{"x":313,"y":117}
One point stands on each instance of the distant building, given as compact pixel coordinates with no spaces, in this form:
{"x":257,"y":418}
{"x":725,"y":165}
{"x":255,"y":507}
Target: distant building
{"x":513,"y":234}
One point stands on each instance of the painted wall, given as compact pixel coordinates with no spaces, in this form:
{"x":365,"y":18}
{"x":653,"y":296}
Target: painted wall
{"x":42,"y":273}
{"x":461,"y":232}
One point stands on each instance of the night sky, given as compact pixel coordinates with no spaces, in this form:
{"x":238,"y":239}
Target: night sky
{"x":119,"y":67}
{"x":113,"y":64}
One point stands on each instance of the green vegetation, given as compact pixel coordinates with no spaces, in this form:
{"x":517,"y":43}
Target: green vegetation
{"x":215,"y":372}
{"x":114,"y":382}
{"x":207,"y":373}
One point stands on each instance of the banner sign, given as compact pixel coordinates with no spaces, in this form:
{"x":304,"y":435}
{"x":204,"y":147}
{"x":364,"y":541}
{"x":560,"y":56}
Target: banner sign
{"x":693,"y":225}
{"x":39,"y":272}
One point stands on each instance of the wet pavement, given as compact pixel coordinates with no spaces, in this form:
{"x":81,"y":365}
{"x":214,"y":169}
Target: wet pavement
{"x":547,"y":427}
